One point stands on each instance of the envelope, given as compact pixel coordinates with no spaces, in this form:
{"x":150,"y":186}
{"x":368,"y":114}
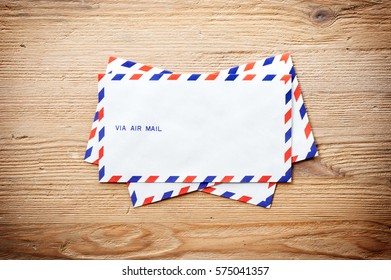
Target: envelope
{"x":257,"y":194}
{"x":303,"y":144}
{"x":161,"y":128}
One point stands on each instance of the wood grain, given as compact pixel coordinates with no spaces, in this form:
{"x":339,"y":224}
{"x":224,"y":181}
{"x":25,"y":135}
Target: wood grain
{"x":51,"y":205}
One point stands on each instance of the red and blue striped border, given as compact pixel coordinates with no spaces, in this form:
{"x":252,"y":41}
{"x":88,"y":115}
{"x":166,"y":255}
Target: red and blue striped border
{"x":210,"y":178}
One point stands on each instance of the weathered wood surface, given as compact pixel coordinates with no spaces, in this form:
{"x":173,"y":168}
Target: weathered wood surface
{"x":51,"y":205}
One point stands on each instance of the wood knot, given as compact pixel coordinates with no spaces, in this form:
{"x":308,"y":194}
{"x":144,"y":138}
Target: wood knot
{"x":322,"y":15}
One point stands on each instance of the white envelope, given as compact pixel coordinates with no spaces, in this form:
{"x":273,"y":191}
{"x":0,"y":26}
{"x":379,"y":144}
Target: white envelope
{"x":162,"y":127}
{"x":260,"y":194}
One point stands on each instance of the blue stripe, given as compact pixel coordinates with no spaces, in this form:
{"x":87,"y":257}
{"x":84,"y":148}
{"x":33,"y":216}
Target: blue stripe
{"x":172,"y":179}
{"x":110,"y":72}
{"x":269,"y":77}
{"x":96,"y":116}
{"x":194,"y":77}
{"x":312,"y":152}
{"x":209,"y":179}
{"x":101,"y":133}
{"x":287,"y":176}
{"x":101,"y":94}
{"x":101,"y":173}
{"x":293,"y":73}
{"x":167,"y":195}
{"x":246,"y":179}
{"x":233,"y":70}
{"x":134,"y":198}
{"x":202,"y":186}
{"x":288,"y":96}
{"x":118,"y":77}
{"x":231,"y":77}
{"x":128,"y":64}
{"x":288,"y":135}
{"x":268,"y":61}
{"x":156,"y":77}
{"x":88,"y":153}
{"x":165,"y":72}
{"x":266,"y":202}
{"x":227,"y":194}
{"x":303,"y":111}
{"x":134,"y":179}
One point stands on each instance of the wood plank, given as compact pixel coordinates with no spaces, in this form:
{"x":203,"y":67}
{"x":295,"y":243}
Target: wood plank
{"x":291,"y":240}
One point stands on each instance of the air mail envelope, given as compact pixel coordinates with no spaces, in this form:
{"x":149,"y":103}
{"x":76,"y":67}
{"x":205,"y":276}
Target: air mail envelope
{"x":162,"y":127}
{"x":256,"y":194}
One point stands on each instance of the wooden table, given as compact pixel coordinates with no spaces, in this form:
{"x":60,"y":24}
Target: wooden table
{"x":51,"y":204}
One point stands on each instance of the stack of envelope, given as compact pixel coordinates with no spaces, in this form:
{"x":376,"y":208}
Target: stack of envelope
{"x":233,"y":133}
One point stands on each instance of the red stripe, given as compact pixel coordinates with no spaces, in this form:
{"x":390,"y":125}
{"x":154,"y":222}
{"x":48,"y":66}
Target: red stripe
{"x":212,"y":77}
{"x":96,"y":162}
{"x":208,"y":189}
{"x":114,"y":179}
{"x":286,"y":78}
{"x":148,"y":200}
{"x":184,"y":190}
{"x":101,"y":113}
{"x":145,"y":68}
{"x":294,"y":158}
{"x":227,"y":179}
{"x":285,"y":57}
{"x":189,"y":179}
{"x":271,"y":185}
{"x":101,"y":152}
{"x":288,"y":115}
{"x":249,"y":66}
{"x":307,"y":130}
{"x":297,"y":92}
{"x":249,"y":77}
{"x":288,"y":154}
{"x":174,"y":77}
{"x":264,"y":179}
{"x":92,"y":133}
{"x":244,"y":198}
{"x":111,"y":59}
{"x":100,"y":76}
{"x":151,"y":179}
{"x":135,"y":76}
